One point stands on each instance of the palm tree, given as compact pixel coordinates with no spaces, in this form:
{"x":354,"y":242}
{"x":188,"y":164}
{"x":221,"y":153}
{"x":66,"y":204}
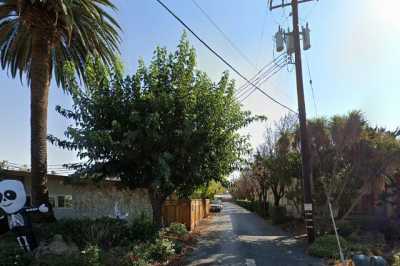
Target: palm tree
{"x":37,"y":37}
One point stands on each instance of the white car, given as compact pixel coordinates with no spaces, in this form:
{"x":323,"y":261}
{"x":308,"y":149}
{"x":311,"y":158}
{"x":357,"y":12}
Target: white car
{"x":216,"y":205}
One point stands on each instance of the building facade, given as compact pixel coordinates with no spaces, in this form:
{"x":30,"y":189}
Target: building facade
{"x":87,"y":200}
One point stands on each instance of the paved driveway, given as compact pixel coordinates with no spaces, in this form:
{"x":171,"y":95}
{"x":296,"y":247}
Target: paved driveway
{"x":238,"y":237}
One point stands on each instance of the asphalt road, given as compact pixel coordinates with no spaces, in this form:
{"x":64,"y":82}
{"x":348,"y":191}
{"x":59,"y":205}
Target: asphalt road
{"x":238,"y":237}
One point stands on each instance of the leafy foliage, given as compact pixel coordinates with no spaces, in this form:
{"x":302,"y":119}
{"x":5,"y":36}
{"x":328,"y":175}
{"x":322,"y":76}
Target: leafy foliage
{"x":73,"y":32}
{"x":166,"y":128}
{"x":275,"y":167}
{"x":208,"y":191}
{"x":177,"y":229}
{"x":104,"y":232}
{"x":11,"y":253}
{"x":326,"y":247}
{"x":160,"y":250}
{"x":350,"y":159}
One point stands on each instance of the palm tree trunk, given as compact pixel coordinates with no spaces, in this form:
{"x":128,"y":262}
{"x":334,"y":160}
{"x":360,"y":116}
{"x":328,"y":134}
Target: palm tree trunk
{"x":40,"y":84}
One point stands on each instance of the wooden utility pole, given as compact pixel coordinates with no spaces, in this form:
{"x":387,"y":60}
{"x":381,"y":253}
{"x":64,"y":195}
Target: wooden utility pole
{"x":305,"y":145}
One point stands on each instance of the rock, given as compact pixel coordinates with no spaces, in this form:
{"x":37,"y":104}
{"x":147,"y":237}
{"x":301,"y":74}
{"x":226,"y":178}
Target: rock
{"x":57,"y":246}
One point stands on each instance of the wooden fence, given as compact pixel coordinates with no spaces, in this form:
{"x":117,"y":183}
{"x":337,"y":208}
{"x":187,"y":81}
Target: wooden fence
{"x":187,"y":212}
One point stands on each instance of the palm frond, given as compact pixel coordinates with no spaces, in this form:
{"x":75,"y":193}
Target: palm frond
{"x":76,"y":30}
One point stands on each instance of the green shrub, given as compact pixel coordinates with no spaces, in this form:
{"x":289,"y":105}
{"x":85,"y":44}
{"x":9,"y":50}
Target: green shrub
{"x":160,"y":250}
{"x":132,"y":260}
{"x":178,"y":246}
{"x":103,"y":232}
{"x":178,"y":229}
{"x":92,"y":255}
{"x":278,"y":215}
{"x":326,"y":247}
{"x":115,"y":256}
{"x":346,"y":229}
{"x":254,"y":206}
{"x":11,"y":253}
{"x":142,"y":229}
{"x":391,"y":231}
{"x":138,"y":255}
{"x":54,"y":260}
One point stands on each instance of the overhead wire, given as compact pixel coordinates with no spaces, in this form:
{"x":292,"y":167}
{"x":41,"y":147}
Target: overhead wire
{"x":224,"y":35}
{"x":264,"y":68}
{"x":259,"y":80}
{"x":259,"y":76}
{"x":222,"y":59}
{"x":280,"y":67}
{"x":266,"y":78}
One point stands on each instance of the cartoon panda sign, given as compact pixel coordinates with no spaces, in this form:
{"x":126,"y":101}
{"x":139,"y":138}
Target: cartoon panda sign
{"x":12,"y":202}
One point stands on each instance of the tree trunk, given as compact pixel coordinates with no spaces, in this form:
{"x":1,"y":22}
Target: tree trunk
{"x":276,"y":201}
{"x":40,"y":84}
{"x":157,"y":200}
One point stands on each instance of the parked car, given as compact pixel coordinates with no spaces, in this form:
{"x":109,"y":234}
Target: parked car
{"x":216,"y":205}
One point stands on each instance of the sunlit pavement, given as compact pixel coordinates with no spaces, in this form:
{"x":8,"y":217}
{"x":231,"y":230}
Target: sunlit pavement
{"x":238,"y":237}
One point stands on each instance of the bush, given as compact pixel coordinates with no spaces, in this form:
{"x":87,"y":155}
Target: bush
{"x":11,"y":253}
{"x":115,"y":256}
{"x":391,"y":231}
{"x":160,"y":250}
{"x":326,"y":247}
{"x":92,"y":255}
{"x":54,"y":260}
{"x":278,"y":215}
{"x":103,"y":232}
{"x":254,"y":206}
{"x":346,"y":229}
{"x":177,"y":229}
{"x":178,"y":246}
{"x":142,"y":229}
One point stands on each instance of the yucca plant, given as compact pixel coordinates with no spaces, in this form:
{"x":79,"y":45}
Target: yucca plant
{"x":37,"y":37}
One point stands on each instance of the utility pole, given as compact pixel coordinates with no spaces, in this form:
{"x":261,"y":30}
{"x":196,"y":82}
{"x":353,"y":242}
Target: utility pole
{"x":305,"y":145}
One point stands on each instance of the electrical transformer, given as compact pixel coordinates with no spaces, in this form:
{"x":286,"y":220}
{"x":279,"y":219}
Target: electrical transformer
{"x":289,"y":38}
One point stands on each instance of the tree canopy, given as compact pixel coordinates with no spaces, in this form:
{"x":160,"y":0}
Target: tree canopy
{"x":350,"y":159}
{"x":167,"y":128}
{"x":37,"y":37}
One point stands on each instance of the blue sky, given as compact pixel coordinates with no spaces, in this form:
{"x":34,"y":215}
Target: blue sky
{"x":353,"y":61}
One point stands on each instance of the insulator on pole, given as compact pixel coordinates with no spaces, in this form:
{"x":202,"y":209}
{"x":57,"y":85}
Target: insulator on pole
{"x":279,"y":40}
{"x":306,"y":37}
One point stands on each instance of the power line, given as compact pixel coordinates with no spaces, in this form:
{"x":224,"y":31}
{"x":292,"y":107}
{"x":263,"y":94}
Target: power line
{"x":222,"y":59}
{"x":261,"y":74}
{"x":264,"y":80}
{"x":226,"y":37}
{"x":263,"y":69}
{"x":260,"y":82}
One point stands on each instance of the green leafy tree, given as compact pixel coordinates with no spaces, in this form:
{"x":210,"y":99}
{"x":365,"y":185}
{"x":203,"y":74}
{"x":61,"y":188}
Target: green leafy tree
{"x":278,"y":158}
{"x":276,"y":167}
{"x":167,"y":128}
{"x":350,"y":159}
{"x":208,"y":191}
{"x":36,"y":38}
